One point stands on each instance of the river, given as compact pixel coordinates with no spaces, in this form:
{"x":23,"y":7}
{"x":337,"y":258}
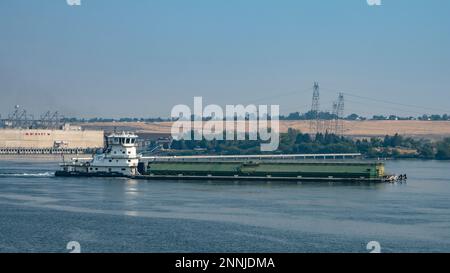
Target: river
{"x":42,"y":213}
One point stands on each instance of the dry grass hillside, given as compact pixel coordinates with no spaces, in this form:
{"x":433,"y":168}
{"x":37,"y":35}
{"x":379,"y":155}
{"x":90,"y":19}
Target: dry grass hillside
{"x":417,"y":129}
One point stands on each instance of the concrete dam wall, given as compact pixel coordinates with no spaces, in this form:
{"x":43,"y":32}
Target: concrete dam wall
{"x":35,"y":141}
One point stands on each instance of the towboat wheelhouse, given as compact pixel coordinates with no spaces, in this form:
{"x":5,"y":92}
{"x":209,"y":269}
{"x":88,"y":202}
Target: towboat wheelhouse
{"x":119,"y":158}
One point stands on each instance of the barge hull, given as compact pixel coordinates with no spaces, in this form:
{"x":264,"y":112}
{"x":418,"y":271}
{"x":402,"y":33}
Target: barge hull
{"x":259,"y":179}
{"x":223,"y":178}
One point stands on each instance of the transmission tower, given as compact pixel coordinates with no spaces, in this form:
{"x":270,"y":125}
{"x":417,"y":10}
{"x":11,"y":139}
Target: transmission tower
{"x":340,"y":115}
{"x":314,"y":124}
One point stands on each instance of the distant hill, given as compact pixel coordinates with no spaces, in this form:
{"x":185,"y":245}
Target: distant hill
{"x":370,"y":128}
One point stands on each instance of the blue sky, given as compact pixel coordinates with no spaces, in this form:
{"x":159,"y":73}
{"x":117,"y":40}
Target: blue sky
{"x":139,"y":58}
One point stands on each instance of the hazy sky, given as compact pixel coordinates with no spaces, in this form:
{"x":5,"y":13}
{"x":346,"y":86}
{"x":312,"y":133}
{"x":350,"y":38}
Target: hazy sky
{"x":139,"y":58}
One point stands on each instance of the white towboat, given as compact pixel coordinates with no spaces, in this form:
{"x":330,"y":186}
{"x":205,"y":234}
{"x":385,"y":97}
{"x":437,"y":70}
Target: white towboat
{"x":119,"y":158}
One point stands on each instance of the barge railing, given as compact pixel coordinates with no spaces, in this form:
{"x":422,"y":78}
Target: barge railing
{"x":250,"y":157}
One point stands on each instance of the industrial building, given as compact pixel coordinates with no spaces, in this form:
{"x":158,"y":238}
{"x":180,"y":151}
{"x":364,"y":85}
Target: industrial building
{"x":48,"y":135}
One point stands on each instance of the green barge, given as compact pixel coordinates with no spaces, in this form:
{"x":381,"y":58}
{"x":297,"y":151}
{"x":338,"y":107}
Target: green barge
{"x":278,"y":168}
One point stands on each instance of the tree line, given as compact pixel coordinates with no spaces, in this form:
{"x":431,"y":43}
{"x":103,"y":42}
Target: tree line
{"x":296,"y":142}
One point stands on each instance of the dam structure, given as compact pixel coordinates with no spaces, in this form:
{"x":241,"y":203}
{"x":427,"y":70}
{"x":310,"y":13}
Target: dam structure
{"x":50,"y":141}
{"x":21,"y":134}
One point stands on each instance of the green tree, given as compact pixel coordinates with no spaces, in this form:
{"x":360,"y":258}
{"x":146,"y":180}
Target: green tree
{"x":426,"y":151}
{"x":443,"y":150}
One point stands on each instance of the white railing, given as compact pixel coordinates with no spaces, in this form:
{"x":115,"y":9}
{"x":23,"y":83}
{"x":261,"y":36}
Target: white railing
{"x":251,"y":157}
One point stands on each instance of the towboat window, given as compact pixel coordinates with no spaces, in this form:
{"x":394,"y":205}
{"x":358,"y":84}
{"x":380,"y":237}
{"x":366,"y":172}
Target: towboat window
{"x":128,"y":141}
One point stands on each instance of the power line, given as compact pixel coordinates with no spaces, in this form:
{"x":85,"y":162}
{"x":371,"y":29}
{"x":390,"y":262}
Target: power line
{"x":290,"y":93}
{"x":351,"y":94}
{"x":387,"y":107}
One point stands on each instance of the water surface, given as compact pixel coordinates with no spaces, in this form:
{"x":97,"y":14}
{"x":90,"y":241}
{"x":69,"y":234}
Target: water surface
{"x":42,"y":213}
